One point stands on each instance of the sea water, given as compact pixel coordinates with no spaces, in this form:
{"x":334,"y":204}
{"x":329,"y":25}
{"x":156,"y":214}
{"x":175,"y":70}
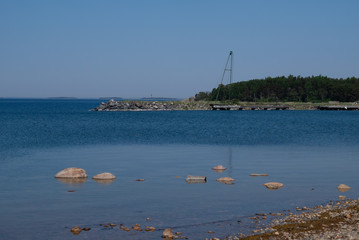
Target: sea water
{"x":310,"y":152}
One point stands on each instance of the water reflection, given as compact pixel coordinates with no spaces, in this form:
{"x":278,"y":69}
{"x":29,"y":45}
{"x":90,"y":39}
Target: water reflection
{"x":104,"y":182}
{"x":230,"y":161}
{"x":72,"y":181}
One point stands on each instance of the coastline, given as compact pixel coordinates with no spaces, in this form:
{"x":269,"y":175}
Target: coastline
{"x":335,"y":220}
{"x":190,"y":105}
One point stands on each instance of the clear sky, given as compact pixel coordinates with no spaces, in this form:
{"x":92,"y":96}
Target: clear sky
{"x":169,"y":48}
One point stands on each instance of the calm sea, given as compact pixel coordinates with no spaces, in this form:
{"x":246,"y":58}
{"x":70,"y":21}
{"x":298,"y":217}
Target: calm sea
{"x":311,"y":152}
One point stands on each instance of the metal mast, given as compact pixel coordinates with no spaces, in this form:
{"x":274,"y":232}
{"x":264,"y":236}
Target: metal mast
{"x":229,"y":69}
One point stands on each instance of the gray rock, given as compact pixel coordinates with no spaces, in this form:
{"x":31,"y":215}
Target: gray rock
{"x":72,"y":173}
{"x":104,"y":176}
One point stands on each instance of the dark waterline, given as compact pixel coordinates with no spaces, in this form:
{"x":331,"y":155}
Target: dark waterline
{"x":303,"y":149}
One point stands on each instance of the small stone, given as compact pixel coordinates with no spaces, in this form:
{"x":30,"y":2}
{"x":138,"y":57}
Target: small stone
{"x":147,"y":219}
{"x":196,"y":179}
{"x":72,"y":173}
{"x":168,"y":234}
{"x":273,"y":185}
{"x":86,"y":229}
{"x":104,"y":176}
{"x":137,"y":227}
{"x":112,"y":225}
{"x":276,"y":233}
{"x":343,"y":188}
{"x":341,"y":197}
{"x":227,"y":180}
{"x":258,"y":175}
{"x":125,"y":228}
{"x":210,"y":232}
{"x":76,"y":230}
{"x":140,"y":180}
{"x":261,"y":214}
{"x":150,"y":229}
{"x":219,"y":168}
{"x":178,"y":233}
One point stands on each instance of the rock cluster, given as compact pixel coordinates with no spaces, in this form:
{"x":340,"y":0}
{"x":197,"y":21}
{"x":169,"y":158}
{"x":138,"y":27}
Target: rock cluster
{"x":73,"y":175}
{"x":113,"y":105}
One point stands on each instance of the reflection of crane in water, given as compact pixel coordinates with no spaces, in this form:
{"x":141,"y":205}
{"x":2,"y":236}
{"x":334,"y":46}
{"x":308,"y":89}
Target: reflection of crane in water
{"x":230,"y":161}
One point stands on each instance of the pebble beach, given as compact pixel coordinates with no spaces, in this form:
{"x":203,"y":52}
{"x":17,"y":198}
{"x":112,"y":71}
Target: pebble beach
{"x":335,"y":220}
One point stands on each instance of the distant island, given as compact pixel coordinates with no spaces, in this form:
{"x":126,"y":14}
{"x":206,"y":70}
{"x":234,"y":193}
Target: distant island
{"x":109,"y":98}
{"x":62,"y":98}
{"x":286,"y":89}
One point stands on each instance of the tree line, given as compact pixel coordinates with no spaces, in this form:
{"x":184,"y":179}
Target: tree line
{"x":287,"y":89}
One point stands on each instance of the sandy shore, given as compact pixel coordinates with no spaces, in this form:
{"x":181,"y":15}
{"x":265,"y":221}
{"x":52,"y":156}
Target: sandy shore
{"x":335,"y":220}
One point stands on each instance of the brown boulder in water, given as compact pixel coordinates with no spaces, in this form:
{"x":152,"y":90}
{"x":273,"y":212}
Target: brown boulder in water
{"x":104,"y":176}
{"x":76,"y":230}
{"x":219,"y":168}
{"x":72,"y":173}
{"x":226,"y":180}
{"x":168,"y":234}
{"x":343,"y":188}
{"x":273,"y":185}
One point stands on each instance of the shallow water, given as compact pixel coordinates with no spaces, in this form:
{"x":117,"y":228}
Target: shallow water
{"x":311,"y":152}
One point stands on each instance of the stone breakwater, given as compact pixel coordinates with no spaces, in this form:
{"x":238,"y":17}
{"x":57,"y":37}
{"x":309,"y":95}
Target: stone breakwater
{"x":113,"y":105}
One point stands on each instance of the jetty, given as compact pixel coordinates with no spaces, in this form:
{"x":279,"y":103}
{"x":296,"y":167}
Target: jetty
{"x":338,"y":108}
{"x":251,"y":107}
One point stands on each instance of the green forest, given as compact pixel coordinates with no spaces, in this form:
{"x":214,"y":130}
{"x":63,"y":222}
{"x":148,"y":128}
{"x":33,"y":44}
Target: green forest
{"x":287,"y":89}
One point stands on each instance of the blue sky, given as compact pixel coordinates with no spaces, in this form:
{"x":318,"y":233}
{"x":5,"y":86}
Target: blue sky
{"x":136,"y":48}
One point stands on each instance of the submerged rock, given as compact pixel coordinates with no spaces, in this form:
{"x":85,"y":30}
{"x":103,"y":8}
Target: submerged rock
{"x":227,"y":180}
{"x":196,"y":179}
{"x":273,"y":185}
{"x":343,"y":188}
{"x":342,"y":197}
{"x":72,"y":173}
{"x":150,"y":229}
{"x":124,"y":228}
{"x":219,"y":168}
{"x":104,"y":176}
{"x":258,"y":175}
{"x":168,"y":234}
{"x":76,"y":230}
{"x":137,"y":227}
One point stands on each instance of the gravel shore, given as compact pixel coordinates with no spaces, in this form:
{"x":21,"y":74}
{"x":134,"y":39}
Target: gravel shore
{"x":335,"y":220}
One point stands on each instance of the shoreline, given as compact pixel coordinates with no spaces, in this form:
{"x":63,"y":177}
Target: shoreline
{"x":334,"y":220}
{"x":187,"y":105}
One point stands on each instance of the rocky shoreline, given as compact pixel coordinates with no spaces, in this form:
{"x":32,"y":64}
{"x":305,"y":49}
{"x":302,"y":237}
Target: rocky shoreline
{"x":335,"y":220}
{"x":189,"y":104}
{"x":113,"y":105}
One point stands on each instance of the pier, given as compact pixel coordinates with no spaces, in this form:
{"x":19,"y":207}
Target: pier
{"x":251,"y":107}
{"x":338,"y":108}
